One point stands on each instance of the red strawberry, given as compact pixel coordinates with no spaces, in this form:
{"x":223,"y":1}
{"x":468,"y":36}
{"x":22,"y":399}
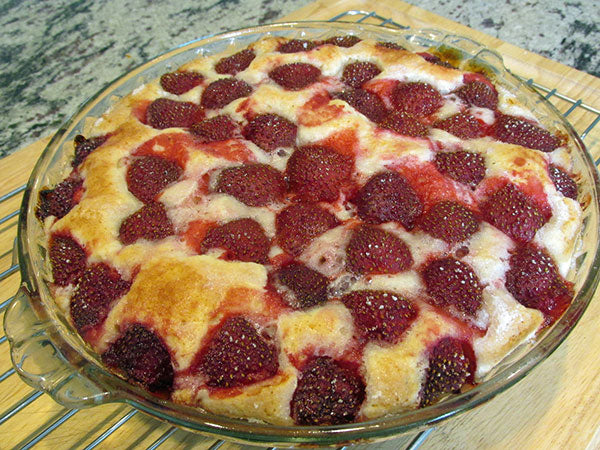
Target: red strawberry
{"x":380,"y":315}
{"x":450,"y":222}
{"x":98,"y":287}
{"x":534,"y":281}
{"x":390,"y":45}
{"x":386,"y":197}
{"x":220,"y":93}
{"x":143,"y":357}
{"x":317,"y":173}
{"x":416,"y":98}
{"x":180,"y":82}
{"x":478,"y":93}
{"x":563,"y":182}
{"x":252,"y":184}
{"x":297,"y":45}
{"x":271,"y":131}
{"x":305,"y":287}
{"x":451,"y":365}
{"x":60,"y":200}
{"x":215,"y":129}
{"x":242,"y":240}
{"x":405,"y":124}
{"x":365,"y":102}
{"x":358,"y":73}
{"x":343,"y":41}
{"x":297,"y":225}
{"x":295,"y":76}
{"x":149,"y":175}
{"x":462,"y":125}
{"x":513,"y":213}
{"x":373,"y":250}
{"x":327,"y":393}
{"x":434,"y":59}
{"x":68,"y":260}
{"x":453,"y":282}
{"x":149,"y":222}
{"x":465,"y":167}
{"x":235,"y":63}
{"x":83,"y":147}
{"x":165,"y":113}
{"x":513,"y":130}
{"x":238,"y":355}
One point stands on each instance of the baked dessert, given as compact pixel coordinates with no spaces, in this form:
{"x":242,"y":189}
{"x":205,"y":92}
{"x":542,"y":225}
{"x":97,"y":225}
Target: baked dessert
{"x":313,"y":232}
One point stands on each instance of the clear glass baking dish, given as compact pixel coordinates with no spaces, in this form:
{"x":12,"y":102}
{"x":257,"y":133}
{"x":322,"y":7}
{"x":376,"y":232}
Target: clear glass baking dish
{"x":49,"y":355}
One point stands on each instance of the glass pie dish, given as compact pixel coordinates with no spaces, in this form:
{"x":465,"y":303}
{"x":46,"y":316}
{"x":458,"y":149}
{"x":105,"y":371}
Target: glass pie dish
{"x":49,"y":354}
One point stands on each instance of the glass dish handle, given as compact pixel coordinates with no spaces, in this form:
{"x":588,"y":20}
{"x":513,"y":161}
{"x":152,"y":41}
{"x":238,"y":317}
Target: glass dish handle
{"x":40,"y":362}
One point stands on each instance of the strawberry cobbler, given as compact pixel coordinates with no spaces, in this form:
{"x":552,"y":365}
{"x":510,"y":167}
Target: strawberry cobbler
{"x":313,"y":232}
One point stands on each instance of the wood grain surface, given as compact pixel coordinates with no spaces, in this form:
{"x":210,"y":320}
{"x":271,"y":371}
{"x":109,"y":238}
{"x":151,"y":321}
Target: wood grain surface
{"x":555,"y":406}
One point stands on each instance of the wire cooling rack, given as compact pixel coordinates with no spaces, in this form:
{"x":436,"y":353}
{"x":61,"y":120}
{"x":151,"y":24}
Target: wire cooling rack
{"x":120,"y":426}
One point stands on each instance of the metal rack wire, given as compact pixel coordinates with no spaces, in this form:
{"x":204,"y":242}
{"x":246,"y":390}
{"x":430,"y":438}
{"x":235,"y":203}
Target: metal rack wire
{"x":587,"y":118}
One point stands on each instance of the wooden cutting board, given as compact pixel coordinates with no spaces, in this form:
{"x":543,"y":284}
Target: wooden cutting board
{"x":555,"y":406}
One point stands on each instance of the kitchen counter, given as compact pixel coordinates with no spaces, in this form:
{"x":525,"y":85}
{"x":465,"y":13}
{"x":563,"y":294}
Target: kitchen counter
{"x":54,"y":55}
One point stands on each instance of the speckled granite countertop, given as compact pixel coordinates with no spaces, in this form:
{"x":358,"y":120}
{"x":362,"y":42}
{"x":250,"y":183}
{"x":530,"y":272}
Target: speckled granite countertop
{"x":54,"y":55}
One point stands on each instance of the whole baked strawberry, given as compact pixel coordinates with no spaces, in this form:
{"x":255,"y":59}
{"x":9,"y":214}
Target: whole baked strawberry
{"x":451,"y":366}
{"x":462,"y":166}
{"x":166,"y":113}
{"x":298,"y":224}
{"x":451,"y":282}
{"x":143,"y":357}
{"x":83,"y":147}
{"x":67,"y":259}
{"x":462,"y":125}
{"x":416,"y":98}
{"x":515,"y":130}
{"x":99,"y":285}
{"x":271,"y":131}
{"x":242,"y":240}
{"x":59,"y":201}
{"x":511,"y":211}
{"x":365,"y":102}
{"x":380,"y":315}
{"x":390,"y":45}
{"x":180,"y":82}
{"x":222,"y":92}
{"x":236,"y":62}
{"x":533,"y":279}
{"x":295,"y":76}
{"x":328,"y":393}
{"x":343,"y":41}
{"x":387,"y":196}
{"x":238,"y":355}
{"x":150,"y":222}
{"x":216,"y":129}
{"x":317,"y":173}
{"x":303,"y":287}
{"x":372,"y":250}
{"x":563,"y":182}
{"x":253,"y":184}
{"x":147,"y":176}
{"x":297,"y":45}
{"x":404,"y":124}
{"x":449,"y":221}
{"x":478,"y":93}
{"x":358,"y":73}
